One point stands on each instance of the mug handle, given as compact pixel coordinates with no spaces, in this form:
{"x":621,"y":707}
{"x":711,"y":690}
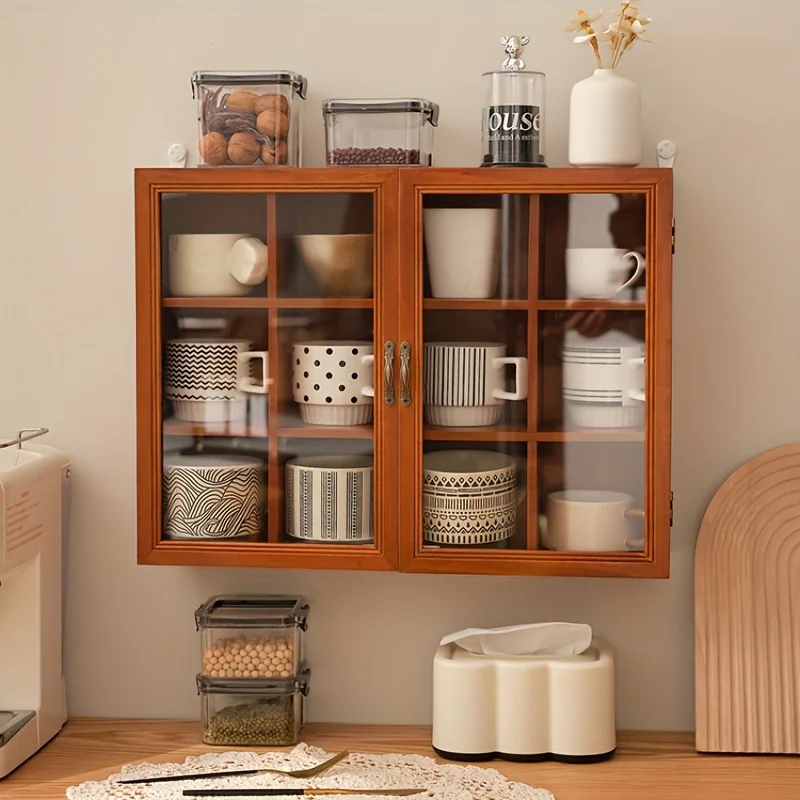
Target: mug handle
{"x":368,"y":361}
{"x":628,"y":513}
{"x":248,"y":384}
{"x":640,"y":264}
{"x":247,"y":261}
{"x":636,"y":394}
{"x":521,"y":379}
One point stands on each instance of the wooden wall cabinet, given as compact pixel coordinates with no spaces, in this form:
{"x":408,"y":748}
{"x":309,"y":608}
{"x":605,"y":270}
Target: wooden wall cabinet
{"x":542,"y":215}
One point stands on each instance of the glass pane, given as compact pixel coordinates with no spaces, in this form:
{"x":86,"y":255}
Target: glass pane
{"x":593,"y":247}
{"x":476,"y":247}
{"x":324,"y":466}
{"x":477,"y":404}
{"x":215,"y":384}
{"x":591,"y":496}
{"x":325,"y":245}
{"x":214,"y":245}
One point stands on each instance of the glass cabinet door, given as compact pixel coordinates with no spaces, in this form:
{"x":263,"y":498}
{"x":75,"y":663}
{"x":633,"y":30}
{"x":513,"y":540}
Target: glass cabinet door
{"x":530,"y":380}
{"x":274,"y":421}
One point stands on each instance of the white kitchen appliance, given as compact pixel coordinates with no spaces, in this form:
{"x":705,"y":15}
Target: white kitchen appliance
{"x":524,"y":707}
{"x":33,"y":493}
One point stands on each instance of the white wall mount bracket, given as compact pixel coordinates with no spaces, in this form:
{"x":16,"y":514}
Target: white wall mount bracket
{"x":176,"y":156}
{"x":665,"y":150}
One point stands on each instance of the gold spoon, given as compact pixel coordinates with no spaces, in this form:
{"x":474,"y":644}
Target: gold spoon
{"x":292,"y":773}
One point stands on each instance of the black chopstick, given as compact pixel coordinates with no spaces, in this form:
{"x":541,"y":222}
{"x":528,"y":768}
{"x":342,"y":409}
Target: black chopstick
{"x":193,"y":777}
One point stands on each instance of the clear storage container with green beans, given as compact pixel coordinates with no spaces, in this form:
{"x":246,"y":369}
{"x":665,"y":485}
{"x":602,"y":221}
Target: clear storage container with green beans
{"x":251,"y":712}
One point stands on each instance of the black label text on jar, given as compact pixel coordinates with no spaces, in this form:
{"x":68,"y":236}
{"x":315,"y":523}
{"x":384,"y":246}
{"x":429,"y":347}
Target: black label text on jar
{"x":512,"y":133}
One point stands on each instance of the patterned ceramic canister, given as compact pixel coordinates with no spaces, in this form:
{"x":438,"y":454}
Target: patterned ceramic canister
{"x":469,"y":497}
{"x":332,"y":382}
{"x":213,"y":497}
{"x":330,"y":499}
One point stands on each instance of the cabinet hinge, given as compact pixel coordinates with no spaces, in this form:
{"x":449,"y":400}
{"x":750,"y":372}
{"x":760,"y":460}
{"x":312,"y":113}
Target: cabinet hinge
{"x":671,"y":496}
{"x":673,"y":235}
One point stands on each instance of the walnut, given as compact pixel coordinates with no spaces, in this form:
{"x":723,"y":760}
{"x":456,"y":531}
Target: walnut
{"x":243,"y":102}
{"x":213,"y":149}
{"x":272,"y":123}
{"x":274,"y":152}
{"x":274,"y":101}
{"x":243,"y":148}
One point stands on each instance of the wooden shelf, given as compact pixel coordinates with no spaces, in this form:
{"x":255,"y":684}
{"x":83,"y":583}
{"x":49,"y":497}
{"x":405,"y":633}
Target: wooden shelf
{"x":177,"y":427}
{"x":267,"y":302}
{"x":290,"y":426}
{"x":436,"y":304}
{"x":216,"y":302}
{"x":589,"y":305}
{"x":591,"y":435}
{"x":513,"y":432}
{"x":322,"y":302}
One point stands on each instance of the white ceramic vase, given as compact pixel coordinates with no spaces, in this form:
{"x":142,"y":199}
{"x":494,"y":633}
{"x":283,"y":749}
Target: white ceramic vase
{"x":605,"y":121}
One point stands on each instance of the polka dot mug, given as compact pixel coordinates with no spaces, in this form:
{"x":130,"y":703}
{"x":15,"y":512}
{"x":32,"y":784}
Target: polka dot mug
{"x":332,"y":382}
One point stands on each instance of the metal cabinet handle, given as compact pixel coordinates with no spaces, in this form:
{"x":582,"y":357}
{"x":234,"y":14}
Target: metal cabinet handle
{"x":388,"y":372}
{"x":405,"y":373}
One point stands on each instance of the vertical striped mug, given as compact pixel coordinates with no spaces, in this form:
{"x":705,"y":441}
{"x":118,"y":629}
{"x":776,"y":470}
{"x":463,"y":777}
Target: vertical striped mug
{"x":466,"y":385}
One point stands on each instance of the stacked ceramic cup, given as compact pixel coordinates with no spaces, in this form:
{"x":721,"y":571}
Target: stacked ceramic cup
{"x":465,"y":382}
{"x":332,"y":382}
{"x":469,"y":497}
{"x":603,"y":380}
{"x":208,"y":380}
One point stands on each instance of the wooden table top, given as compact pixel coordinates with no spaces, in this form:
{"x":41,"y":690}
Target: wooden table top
{"x":648,"y":766}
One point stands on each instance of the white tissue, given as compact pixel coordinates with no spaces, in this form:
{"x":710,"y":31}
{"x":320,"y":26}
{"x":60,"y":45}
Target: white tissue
{"x":536,"y":639}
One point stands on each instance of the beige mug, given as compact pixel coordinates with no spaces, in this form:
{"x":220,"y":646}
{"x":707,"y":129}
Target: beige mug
{"x":591,"y":521}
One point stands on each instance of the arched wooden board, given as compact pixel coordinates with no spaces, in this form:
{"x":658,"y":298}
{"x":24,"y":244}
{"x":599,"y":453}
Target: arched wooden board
{"x":747,"y":610}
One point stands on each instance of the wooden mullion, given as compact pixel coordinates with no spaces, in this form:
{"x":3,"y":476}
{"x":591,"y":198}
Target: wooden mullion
{"x":534,"y":250}
{"x":275,"y":490}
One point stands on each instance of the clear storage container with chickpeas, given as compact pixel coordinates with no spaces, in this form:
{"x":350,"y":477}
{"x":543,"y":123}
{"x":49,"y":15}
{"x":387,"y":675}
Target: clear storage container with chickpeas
{"x":253,"y":713}
{"x":249,"y":118}
{"x":252,"y":636}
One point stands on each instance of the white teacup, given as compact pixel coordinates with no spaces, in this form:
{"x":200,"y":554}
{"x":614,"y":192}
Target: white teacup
{"x":465,"y":383}
{"x":332,"y":382}
{"x":591,"y":521}
{"x":601,"y":272}
{"x":208,"y":379}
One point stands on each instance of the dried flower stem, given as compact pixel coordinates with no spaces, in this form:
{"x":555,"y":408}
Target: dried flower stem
{"x":587,"y":26}
{"x":619,"y":38}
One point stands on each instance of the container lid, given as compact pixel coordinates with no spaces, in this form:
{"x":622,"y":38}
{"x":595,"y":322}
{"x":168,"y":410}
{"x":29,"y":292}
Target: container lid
{"x":375,"y":106}
{"x":247,"y":611}
{"x":293,"y":79}
{"x":261,"y":686}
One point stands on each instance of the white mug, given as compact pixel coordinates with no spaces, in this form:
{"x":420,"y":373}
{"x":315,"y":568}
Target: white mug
{"x":462,"y":249}
{"x":600,"y":272}
{"x":332,"y":381}
{"x":591,"y":521}
{"x":465,"y":382}
{"x":215,"y":264}
{"x":208,"y":379}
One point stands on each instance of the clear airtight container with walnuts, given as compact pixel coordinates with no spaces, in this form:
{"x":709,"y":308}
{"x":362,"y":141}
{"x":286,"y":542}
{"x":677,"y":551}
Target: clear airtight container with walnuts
{"x":259,"y":637}
{"x":249,"y":118}
{"x":259,"y":713}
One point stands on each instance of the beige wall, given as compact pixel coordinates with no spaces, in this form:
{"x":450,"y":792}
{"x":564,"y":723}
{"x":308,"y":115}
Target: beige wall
{"x":89,"y":93}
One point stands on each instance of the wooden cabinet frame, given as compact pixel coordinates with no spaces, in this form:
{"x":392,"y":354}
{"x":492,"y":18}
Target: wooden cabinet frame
{"x":398,"y":308}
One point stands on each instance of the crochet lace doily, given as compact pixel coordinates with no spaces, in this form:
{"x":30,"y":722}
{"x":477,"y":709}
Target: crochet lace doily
{"x":357,"y":771}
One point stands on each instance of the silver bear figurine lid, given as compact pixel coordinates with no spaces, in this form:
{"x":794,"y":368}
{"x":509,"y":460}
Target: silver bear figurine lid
{"x":513,"y":46}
